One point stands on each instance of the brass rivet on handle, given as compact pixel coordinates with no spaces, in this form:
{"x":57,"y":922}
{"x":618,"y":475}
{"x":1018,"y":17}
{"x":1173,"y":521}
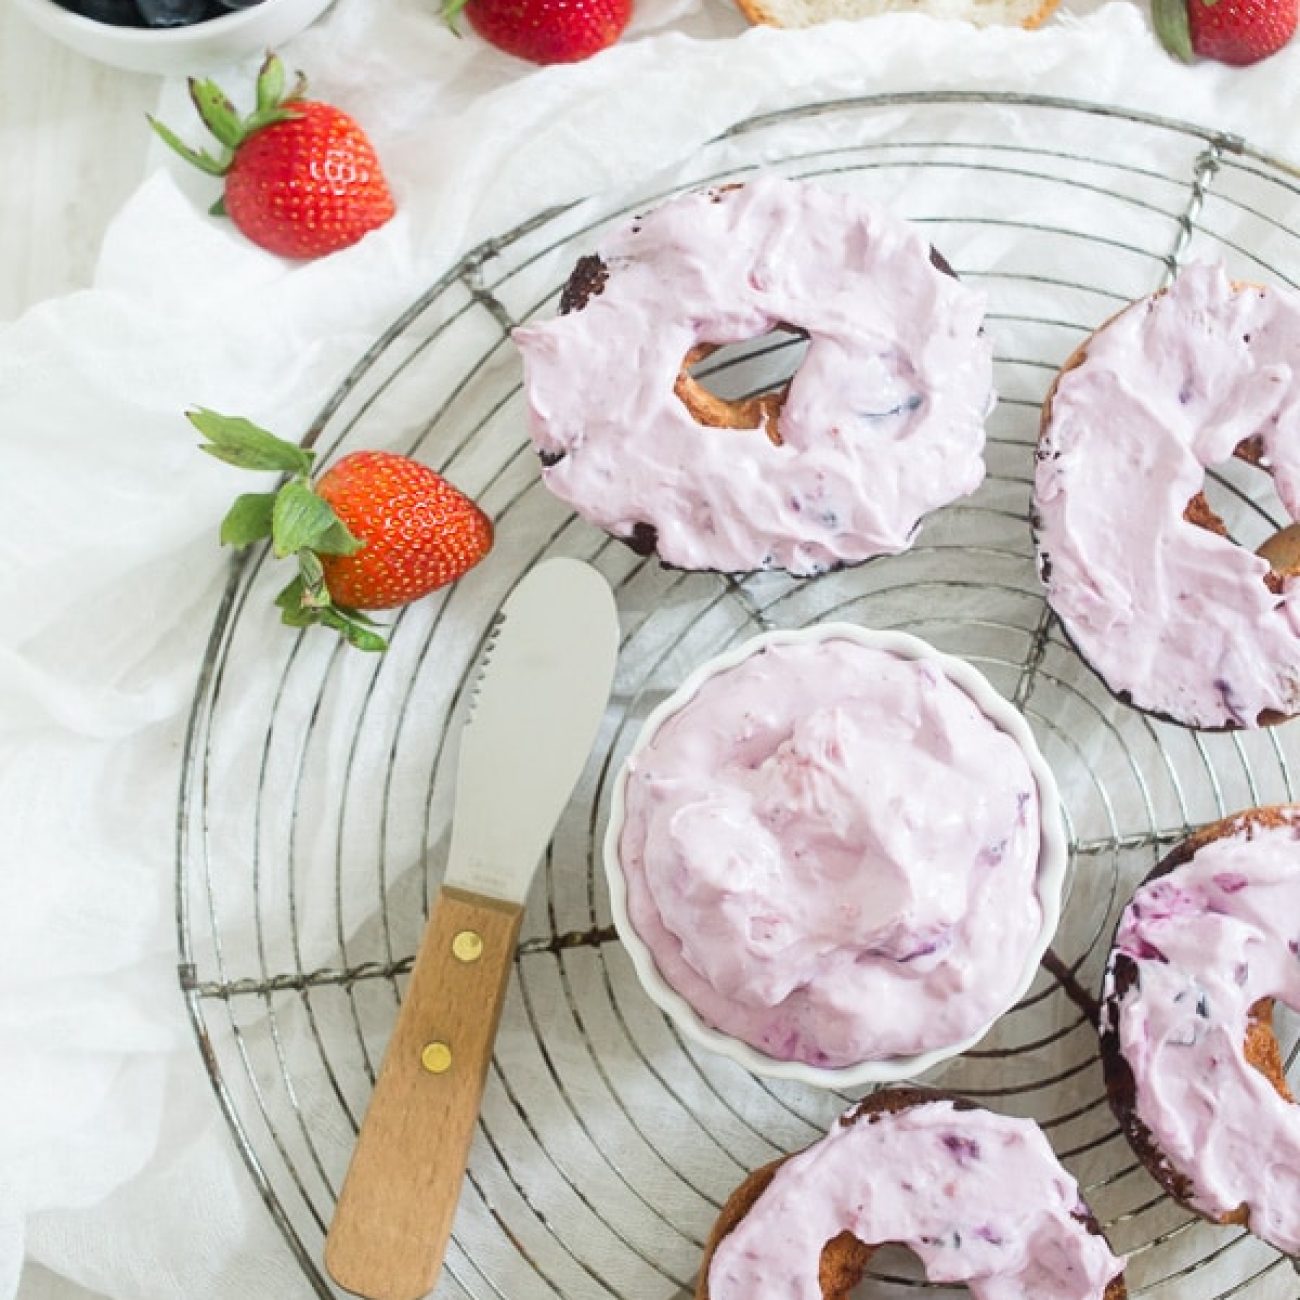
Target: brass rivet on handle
{"x":467,"y":946}
{"x":436,"y":1058}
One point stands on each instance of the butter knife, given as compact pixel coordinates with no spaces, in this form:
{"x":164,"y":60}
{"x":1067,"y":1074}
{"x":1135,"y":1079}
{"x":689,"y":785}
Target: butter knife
{"x":541,"y":693}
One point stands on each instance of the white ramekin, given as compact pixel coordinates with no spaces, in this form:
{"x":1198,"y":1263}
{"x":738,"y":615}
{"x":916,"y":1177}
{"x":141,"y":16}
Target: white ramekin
{"x":1053,"y":857}
{"x":176,"y":51}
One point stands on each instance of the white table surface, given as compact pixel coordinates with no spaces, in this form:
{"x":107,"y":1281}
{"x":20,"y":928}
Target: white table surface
{"x":72,"y":146}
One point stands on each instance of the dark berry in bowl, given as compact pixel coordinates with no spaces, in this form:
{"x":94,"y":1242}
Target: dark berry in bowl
{"x":119,"y":13}
{"x":172,"y":13}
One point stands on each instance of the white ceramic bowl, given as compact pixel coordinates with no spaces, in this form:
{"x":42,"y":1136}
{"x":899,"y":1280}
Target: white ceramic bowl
{"x":1052,"y":860}
{"x":176,"y":51}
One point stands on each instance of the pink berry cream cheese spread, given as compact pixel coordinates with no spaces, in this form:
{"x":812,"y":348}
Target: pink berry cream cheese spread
{"x":882,"y":422}
{"x":1175,"y":616}
{"x":839,"y":848}
{"x":980,"y":1198}
{"x":1193,"y":1068}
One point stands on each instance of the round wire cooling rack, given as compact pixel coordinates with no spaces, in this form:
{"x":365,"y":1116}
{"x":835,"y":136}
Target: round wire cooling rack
{"x":316,"y":786}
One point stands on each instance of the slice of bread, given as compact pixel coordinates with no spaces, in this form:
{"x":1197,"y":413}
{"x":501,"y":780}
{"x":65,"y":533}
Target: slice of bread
{"x":982,"y":13}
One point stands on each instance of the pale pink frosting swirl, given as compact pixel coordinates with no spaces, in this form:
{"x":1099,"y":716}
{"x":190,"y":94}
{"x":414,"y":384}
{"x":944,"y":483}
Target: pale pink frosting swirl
{"x":884,"y":420}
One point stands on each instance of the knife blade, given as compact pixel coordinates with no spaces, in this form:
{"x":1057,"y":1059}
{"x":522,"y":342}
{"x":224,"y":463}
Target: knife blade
{"x":540,"y":694}
{"x":539,"y":700}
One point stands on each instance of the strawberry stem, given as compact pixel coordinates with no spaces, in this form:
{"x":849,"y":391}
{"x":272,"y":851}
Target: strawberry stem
{"x":315,"y":595}
{"x":297,"y":610}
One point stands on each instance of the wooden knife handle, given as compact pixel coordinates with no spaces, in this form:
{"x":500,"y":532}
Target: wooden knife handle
{"x":395,"y":1212}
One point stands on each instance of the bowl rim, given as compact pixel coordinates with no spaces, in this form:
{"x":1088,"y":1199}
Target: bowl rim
{"x":154,"y":37}
{"x":1053,"y":858}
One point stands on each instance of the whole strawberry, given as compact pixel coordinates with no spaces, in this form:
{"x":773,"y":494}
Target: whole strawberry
{"x":1230,"y":31}
{"x":421,"y":532}
{"x":545,"y":31}
{"x":377,"y":530}
{"x":302,"y":179}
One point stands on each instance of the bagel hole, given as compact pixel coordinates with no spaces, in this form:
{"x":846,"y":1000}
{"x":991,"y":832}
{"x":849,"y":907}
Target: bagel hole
{"x":735,"y":373}
{"x":1244,"y":499}
{"x":1272,"y":1045}
{"x":1286,"y":1027}
{"x":896,"y":1272}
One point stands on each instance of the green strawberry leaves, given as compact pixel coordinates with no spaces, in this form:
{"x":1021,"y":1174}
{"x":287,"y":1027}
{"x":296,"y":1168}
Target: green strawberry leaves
{"x":302,"y":522}
{"x":270,"y":84}
{"x":248,"y":520}
{"x":451,"y":12}
{"x":241,"y":443}
{"x":298,"y":522}
{"x":337,"y":539}
{"x":1173,"y":28}
{"x":352,"y":626}
{"x":296,"y":610}
{"x":199,"y":158}
{"x":299,"y":519}
{"x":272,"y":98}
{"x":217,"y":112}
{"x":219,"y":115}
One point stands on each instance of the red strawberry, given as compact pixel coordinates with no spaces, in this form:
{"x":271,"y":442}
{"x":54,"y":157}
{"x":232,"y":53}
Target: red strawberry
{"x":420,"y":532}
{"x":378,"y":530}
{"x":1231,"y":31}
{"x":302,"y":179}
{"x":545,"y":31}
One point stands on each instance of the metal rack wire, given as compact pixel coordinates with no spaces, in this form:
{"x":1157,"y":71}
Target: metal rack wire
{"x":316,"y":782}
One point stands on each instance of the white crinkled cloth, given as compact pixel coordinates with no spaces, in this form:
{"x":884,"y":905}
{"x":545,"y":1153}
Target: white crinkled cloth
{"x":116,"y":1169}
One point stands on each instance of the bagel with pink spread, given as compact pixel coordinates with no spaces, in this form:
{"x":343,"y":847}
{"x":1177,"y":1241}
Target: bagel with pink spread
{"x":882,"y":422}
{"x":1193,"y":1069}
{"x":980,"y":1198}
{"x":1178,"y":619}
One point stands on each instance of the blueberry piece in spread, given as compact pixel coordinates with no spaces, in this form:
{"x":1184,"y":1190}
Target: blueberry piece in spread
{"x":964,"y":1150}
